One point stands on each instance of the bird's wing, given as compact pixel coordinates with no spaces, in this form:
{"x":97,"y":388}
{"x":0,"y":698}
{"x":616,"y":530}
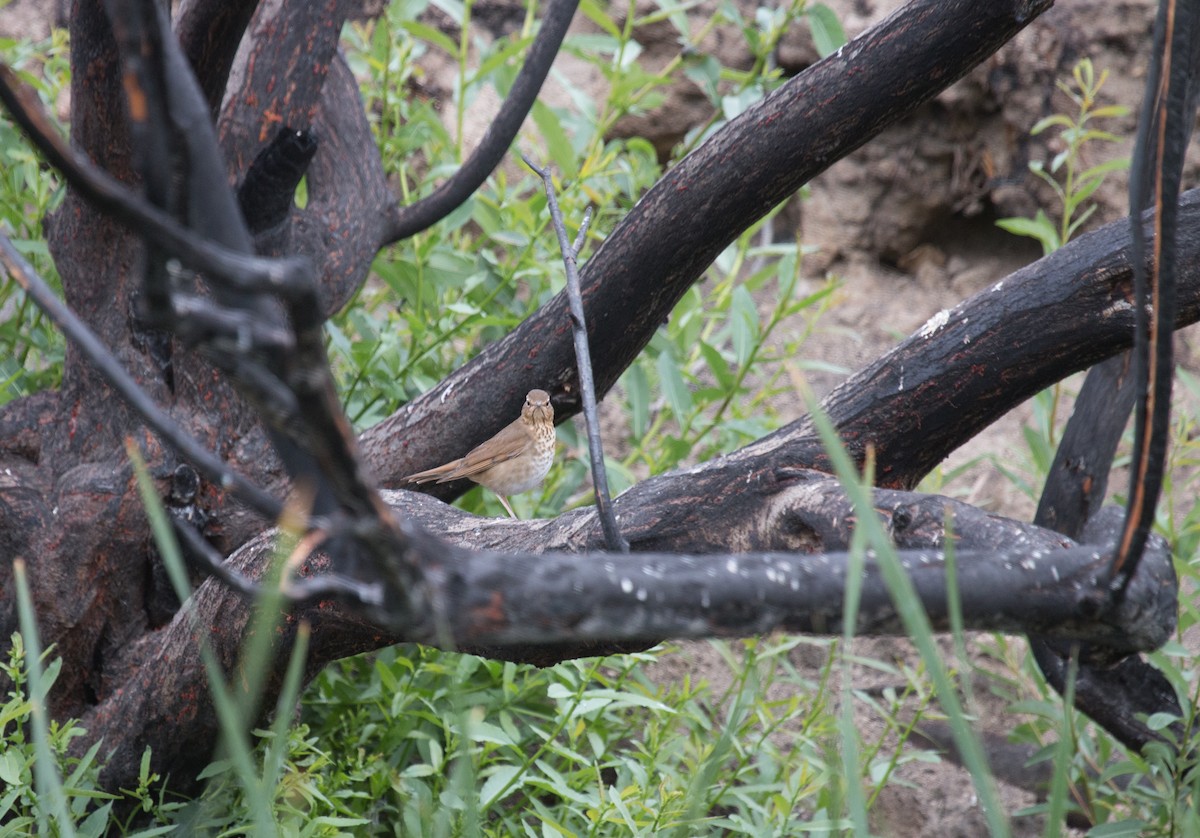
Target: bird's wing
{"x":434,"y":473}
{"x":505,"y":445}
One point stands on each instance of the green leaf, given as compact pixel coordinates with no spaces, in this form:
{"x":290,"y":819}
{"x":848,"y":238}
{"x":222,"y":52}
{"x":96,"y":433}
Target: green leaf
{"x":330,"y":820}
{"x":1110,"y":111}
{"x":1161,"y":721}
{"x":500,"y":780}
{"x":1100,"y":136}
{"x":1038,"y":227}
{"x":96,"y":824}
{"x":1118,"y":165}
{"x":429,"y":35}
{"x":705,"y":71}
{"x":416,"y":770}
{"x":11,"y":765}
{"x":737,"y":104}
{"x":501,"y":64}
{"x":460,"y":215}
{"x":717,"y":365}
{"x":1049,"y":122}
{"x":675,"y":12}
{"x":596,"y":13}
{"x":637,"y":391}
{"x":487,"y":732}
{"x":828,"y":35}
{"x":1080,"y":220}
{"x":15,"y":709}
{"x":558,"y":144}
{"x":619,"y":477}
{"x":674,"y":387}
{"x":1083,"y":192}
{"x":745,"y":325}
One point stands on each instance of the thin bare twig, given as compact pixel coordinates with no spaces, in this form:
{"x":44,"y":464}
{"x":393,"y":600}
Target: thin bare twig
{"x":583,"y":355}
{"x":296,"y":590}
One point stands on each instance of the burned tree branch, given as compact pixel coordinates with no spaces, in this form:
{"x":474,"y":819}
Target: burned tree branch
{"x":209,"y":32}
{"x":496,"y":603}
{"x":500,"y":134}
{"x":290,"y":49}
{"x":1078,"y":478}
{"x":969,"y":365}
{"x":1168,"y":115}
{"x":266,"y":194}
{"x":116,"y":200}
{"x":746,"y":168}
{"x":349,"y":199}
{"x":210,"y":465}
{"x":500,"y":599}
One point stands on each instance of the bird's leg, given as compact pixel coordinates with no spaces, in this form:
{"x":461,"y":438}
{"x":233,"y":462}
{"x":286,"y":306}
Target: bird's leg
{"x":504,"y":501}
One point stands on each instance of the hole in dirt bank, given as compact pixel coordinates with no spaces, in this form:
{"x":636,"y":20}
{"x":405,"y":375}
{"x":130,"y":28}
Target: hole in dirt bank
{"x":957,"y":245}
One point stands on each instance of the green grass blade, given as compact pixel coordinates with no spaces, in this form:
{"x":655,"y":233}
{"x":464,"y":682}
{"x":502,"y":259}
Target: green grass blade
{"x":284,"y":705}
{"x":916,"y":621}
{"x":45,"y":766}
{"x":954,"y":608}
{"x":233,"y":737}
{"x":847,"y":729}
{"x":1056,"y":814}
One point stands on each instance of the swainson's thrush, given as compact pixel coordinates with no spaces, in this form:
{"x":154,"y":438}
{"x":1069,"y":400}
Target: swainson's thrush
{"x":515,"y":460}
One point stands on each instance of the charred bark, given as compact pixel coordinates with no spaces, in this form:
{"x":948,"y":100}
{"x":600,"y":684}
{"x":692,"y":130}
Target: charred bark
{"x":677,"y":228}
{"x":492,"y":586}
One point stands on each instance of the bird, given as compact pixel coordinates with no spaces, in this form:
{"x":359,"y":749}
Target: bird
{"x":515,"y":460}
